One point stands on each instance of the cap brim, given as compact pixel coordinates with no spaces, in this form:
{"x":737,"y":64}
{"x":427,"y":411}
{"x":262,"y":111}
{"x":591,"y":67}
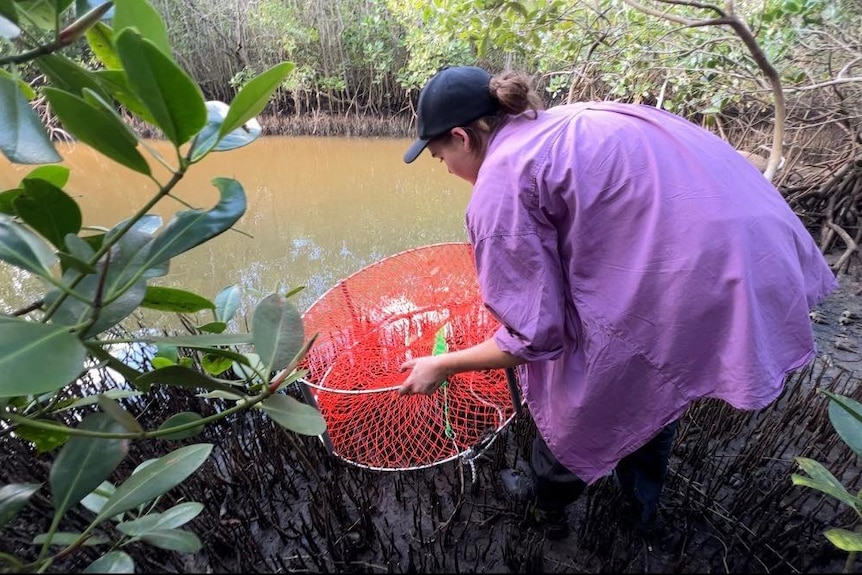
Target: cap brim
{"x":414,"y":150}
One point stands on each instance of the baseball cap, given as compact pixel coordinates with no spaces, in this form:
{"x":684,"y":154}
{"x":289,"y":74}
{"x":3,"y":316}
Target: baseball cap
{"x":453,"y":97}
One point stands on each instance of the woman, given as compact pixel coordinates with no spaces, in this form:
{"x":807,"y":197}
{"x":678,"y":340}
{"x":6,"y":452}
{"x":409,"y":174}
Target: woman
{"x":636,"y":262}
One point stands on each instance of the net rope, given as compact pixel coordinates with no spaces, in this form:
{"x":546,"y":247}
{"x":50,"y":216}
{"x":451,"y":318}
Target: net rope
{"x":418,"y":302}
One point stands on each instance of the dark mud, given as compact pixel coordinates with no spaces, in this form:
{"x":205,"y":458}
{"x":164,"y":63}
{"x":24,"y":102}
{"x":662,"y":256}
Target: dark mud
{"x":729,"y":505}
{"x":277,"y":502}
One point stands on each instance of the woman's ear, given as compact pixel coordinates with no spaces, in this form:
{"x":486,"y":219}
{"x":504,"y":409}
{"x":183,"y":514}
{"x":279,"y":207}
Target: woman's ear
{"x":461,"y":139}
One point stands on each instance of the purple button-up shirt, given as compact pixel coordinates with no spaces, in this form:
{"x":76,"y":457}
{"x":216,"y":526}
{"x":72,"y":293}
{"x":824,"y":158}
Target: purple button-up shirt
{"x":638,"y":263}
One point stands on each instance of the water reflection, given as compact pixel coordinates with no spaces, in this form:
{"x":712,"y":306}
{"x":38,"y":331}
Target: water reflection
{"x":319,"y":209}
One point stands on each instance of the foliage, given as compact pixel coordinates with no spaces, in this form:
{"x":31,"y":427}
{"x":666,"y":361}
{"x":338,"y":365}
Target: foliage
{"x":94,"y":279}
{"x":632,"y":55}
{"x":845,"y":414}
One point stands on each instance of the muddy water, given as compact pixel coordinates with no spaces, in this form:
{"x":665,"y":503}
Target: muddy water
{"x":319,"y":209}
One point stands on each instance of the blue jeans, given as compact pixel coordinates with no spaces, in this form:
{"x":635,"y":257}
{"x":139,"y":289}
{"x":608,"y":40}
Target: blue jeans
{"x":640,"y":475}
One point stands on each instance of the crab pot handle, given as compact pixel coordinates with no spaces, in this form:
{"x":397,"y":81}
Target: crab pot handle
{"x":513,"y":389}
{"x":309,"y":399}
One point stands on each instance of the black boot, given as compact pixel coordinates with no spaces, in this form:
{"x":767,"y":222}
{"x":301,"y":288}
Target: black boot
{"x":520,"y":487}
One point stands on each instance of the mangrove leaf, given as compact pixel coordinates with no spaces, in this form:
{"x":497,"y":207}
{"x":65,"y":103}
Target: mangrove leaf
{"x":48,"y":210}
{"x":193,"y":227}
{"x":24,"y":249}
{"x":23,"y":139}
{"x":98,"y":128}
{"x":155,"y":479}
{"x":85,"y":462}
{"x":293,"y":415}
{"x":112,"y":562}
{"x":175,"y":300}
{"x":170,"y":95}
{"x":13,"y":497}
{"x":277,"y":331}
{"x":24,"y":345}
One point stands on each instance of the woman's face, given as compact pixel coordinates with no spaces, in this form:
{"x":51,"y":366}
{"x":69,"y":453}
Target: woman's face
{"x":456,"y":151}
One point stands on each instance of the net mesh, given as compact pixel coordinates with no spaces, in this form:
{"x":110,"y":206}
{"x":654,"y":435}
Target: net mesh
{"x":415,"y":303}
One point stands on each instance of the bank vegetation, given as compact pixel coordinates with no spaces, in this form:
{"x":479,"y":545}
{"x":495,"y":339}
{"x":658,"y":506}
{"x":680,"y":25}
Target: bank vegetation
{"x":781,"y":80}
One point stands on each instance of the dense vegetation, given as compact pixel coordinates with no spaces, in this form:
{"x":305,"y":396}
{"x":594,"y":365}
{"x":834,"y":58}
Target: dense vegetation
{"x":781,"y":74}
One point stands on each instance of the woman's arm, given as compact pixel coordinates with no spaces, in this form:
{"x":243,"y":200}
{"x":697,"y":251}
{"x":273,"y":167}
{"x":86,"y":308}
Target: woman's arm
{"x":428,"y":372}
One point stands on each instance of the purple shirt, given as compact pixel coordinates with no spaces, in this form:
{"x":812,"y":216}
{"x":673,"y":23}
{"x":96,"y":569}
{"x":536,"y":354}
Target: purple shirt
{"x":639,"y":263}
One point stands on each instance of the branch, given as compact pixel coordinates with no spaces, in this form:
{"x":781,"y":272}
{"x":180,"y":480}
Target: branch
{"x":834,"y":82}
{"x":741,"y":29}
{"x":678,"y":19}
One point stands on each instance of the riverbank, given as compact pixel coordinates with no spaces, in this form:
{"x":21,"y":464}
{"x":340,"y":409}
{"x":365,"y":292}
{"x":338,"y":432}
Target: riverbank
{"x":317,"y":124}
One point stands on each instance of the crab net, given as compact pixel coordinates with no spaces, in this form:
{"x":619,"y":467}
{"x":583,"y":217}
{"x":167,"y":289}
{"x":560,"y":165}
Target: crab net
{"x":418,"y":302}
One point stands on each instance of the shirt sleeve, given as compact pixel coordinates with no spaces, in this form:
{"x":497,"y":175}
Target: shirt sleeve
{"x":522,"y":286}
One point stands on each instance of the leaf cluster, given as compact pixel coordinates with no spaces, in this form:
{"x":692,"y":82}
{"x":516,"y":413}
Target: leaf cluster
{"x":94,"y":279}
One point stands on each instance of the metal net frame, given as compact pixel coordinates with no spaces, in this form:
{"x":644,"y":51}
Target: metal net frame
{"x":417,"y":302}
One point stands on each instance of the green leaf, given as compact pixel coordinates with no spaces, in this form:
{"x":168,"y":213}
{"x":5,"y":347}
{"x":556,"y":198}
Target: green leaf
{"x":846,"y":417}
{"x":178,"y":419}
{"x":173,"y":540}
{"x":822,"y":480}
{"x":112,"y":562}
{"x":227,"y":303}
{"x":24,"y":345}
{"x":156,"y":479}
{"x":13,"y":497}
{"x":198,"y":341}
{"x":124,"y":287}
{"x":100,"y":38}
{"x":24,"y":249}
{"x":65,"y":539}
{"x":7,"y":9}
{"x":67,"y":76}
{"x":277,"y":331}
{"x":56,"y":175}
{"x":96,"y":500}
{"x":141,"y":16}
{"x":210,"y":140}
{"x":117,"y":84}
{"x":254,"y":96}
{"x":214,"y":364}
{"x":250,"y":368}
{"x":160,"y":362}
{"x":23,"y":139}
{"x":220,"y":352}
{"x":43,"y":14}
{"x":70,"y":262}
{"x":191,"y":228}
{"x":115,"y":411}
{"x":172,"y":98}
{"x":175,"y":300}
{"x":168,"y":351}
{"x":48,"y":210}
{"x":75,"y":311}
{"x":293,"y":415}
{"x":844,"y":539}
{"x":7,"y":201}
{"x":131,"y":252}
{"x":26,"y":89}
{"x":44,"y":440}
{"x":91,"y":399}
{"x":213,"y":327}
{"x":84,"y":462}
{"x":179,"y":376}
{"x":98,"y":128}
{"x":176,"y":516}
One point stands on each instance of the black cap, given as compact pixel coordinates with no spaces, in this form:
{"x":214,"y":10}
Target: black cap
{"x":452,"y":97}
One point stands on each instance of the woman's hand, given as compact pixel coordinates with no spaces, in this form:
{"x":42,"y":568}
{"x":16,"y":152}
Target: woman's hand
{"x":426,"y":375}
